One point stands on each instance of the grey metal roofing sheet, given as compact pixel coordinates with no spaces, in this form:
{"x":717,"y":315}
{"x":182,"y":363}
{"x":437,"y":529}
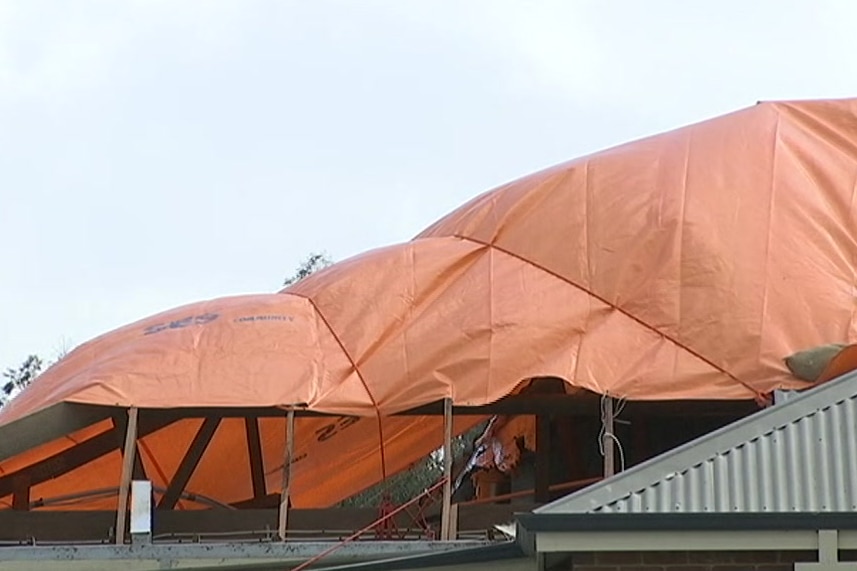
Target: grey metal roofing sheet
{"x":798,"y":456}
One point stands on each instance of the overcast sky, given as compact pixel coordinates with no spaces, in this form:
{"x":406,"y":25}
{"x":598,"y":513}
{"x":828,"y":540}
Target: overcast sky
{"x":154,"y":153}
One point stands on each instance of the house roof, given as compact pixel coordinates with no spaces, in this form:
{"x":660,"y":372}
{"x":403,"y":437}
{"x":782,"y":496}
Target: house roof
{"x":798,"y":456}
{"x":687,"y":251}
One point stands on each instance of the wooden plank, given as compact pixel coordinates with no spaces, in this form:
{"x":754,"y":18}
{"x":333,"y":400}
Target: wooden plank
{"x":453,"y":522}
{"x":445,"y":518}
{"x":254,"y":453}
{"x":283,"y":519}
{"x":563,"y":487}
{"x":578,"y":404}
{"x":188,"y":464}
{"x":95,"y":526}
{"x":47,"y":425}
{"x":120,"y":426}
{"x":271,"y":500}
{"x":21,"y":495}
{"x":582,"y":405}
{"x":543,"y":461}
{"x":607,"y":436}
{"x":125,"y":476}
{"x":76,"y":456}
{"x":46,"y":526}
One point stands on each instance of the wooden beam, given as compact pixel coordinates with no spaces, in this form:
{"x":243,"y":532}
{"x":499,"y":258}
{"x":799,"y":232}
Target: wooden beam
{"x":21,"y":495}
{"x":47,"y":424}
{"x":564,"y":487}
{"x":86,"y":526}
{"x":120,"y":426}
{"x":125,"y":475}
{"x":543,"y":463}
{"x":640,"y":443}
{"x":453,"y":522}
{"x":607,"y":436}
{"x":578,"y":404}
{"x":76,"y":456}
{"x":288,"y":454}
{"x":445,"y":517}
{"x":582,"y":405}
{"x":269,"y":501}
{"x":188,"y":464}
{"x":254,"y":453}
{"x":568,"y":442}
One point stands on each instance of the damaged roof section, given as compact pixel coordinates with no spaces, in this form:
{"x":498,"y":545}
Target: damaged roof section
{"x":798,"y":456}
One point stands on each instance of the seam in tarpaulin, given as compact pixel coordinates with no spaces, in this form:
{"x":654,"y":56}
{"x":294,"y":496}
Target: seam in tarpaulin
{"x":413,"y":294}
{"x":491,"y":337}
{"x":587,"y":227}
{"x":682,"y":221}
{"x":774,"y":148}
{"x":757,"y":394}
{"x":853,"y":256}
{"x":442,"y":281}
{"x":582,"y":341}
{"x":359,"y":376}
{"x":587,"y":245}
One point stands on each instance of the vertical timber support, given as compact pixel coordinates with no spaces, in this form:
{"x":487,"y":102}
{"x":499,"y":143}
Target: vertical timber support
{"x":288,"y":454}
{"x":128,"y":454}
{"x":543,"y":459}
{"x":21,"y":493}
{"x":120,"y":427}
{"x":607,"y":418}
{"x":254,"y":454}
{"x":446,"y":510}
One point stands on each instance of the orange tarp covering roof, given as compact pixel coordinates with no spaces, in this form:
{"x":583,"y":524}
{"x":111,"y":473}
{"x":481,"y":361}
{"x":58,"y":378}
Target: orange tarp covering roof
{"x":708,"y":253}
{"x":844,"y":362}
{"x":682,"y":266}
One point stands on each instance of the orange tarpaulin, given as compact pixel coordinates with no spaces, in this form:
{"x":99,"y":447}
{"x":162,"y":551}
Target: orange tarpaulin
{"x":334,"y":458}
{"x":844,"y":362}
{"x":722,"y":247}
{"x":682,"y":266}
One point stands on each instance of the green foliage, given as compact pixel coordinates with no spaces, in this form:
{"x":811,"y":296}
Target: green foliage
{"x":17,"y":379}
{"x":314,"y":262}
{"x":420,"y":476}
{"x":400,"y":487}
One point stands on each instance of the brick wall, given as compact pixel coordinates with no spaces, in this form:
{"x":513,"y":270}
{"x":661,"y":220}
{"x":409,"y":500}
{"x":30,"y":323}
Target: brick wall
{"x":691,"y":560}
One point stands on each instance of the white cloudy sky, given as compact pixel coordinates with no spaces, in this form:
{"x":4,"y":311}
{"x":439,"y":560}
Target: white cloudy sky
{"x":154,"y":153}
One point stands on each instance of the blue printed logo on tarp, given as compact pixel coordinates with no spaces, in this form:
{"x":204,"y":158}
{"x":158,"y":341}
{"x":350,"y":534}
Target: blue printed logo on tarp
{"x":203,"y":319}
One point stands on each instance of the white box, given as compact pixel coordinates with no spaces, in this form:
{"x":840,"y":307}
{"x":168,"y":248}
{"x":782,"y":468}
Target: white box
{"x":141,"y":507}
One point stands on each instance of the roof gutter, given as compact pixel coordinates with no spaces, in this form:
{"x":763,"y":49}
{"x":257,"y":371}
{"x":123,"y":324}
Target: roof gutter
{"x":737,"y":521}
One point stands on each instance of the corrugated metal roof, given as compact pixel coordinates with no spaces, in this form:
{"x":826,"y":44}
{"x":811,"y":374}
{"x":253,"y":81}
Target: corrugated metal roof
{"x":798,"y":456}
